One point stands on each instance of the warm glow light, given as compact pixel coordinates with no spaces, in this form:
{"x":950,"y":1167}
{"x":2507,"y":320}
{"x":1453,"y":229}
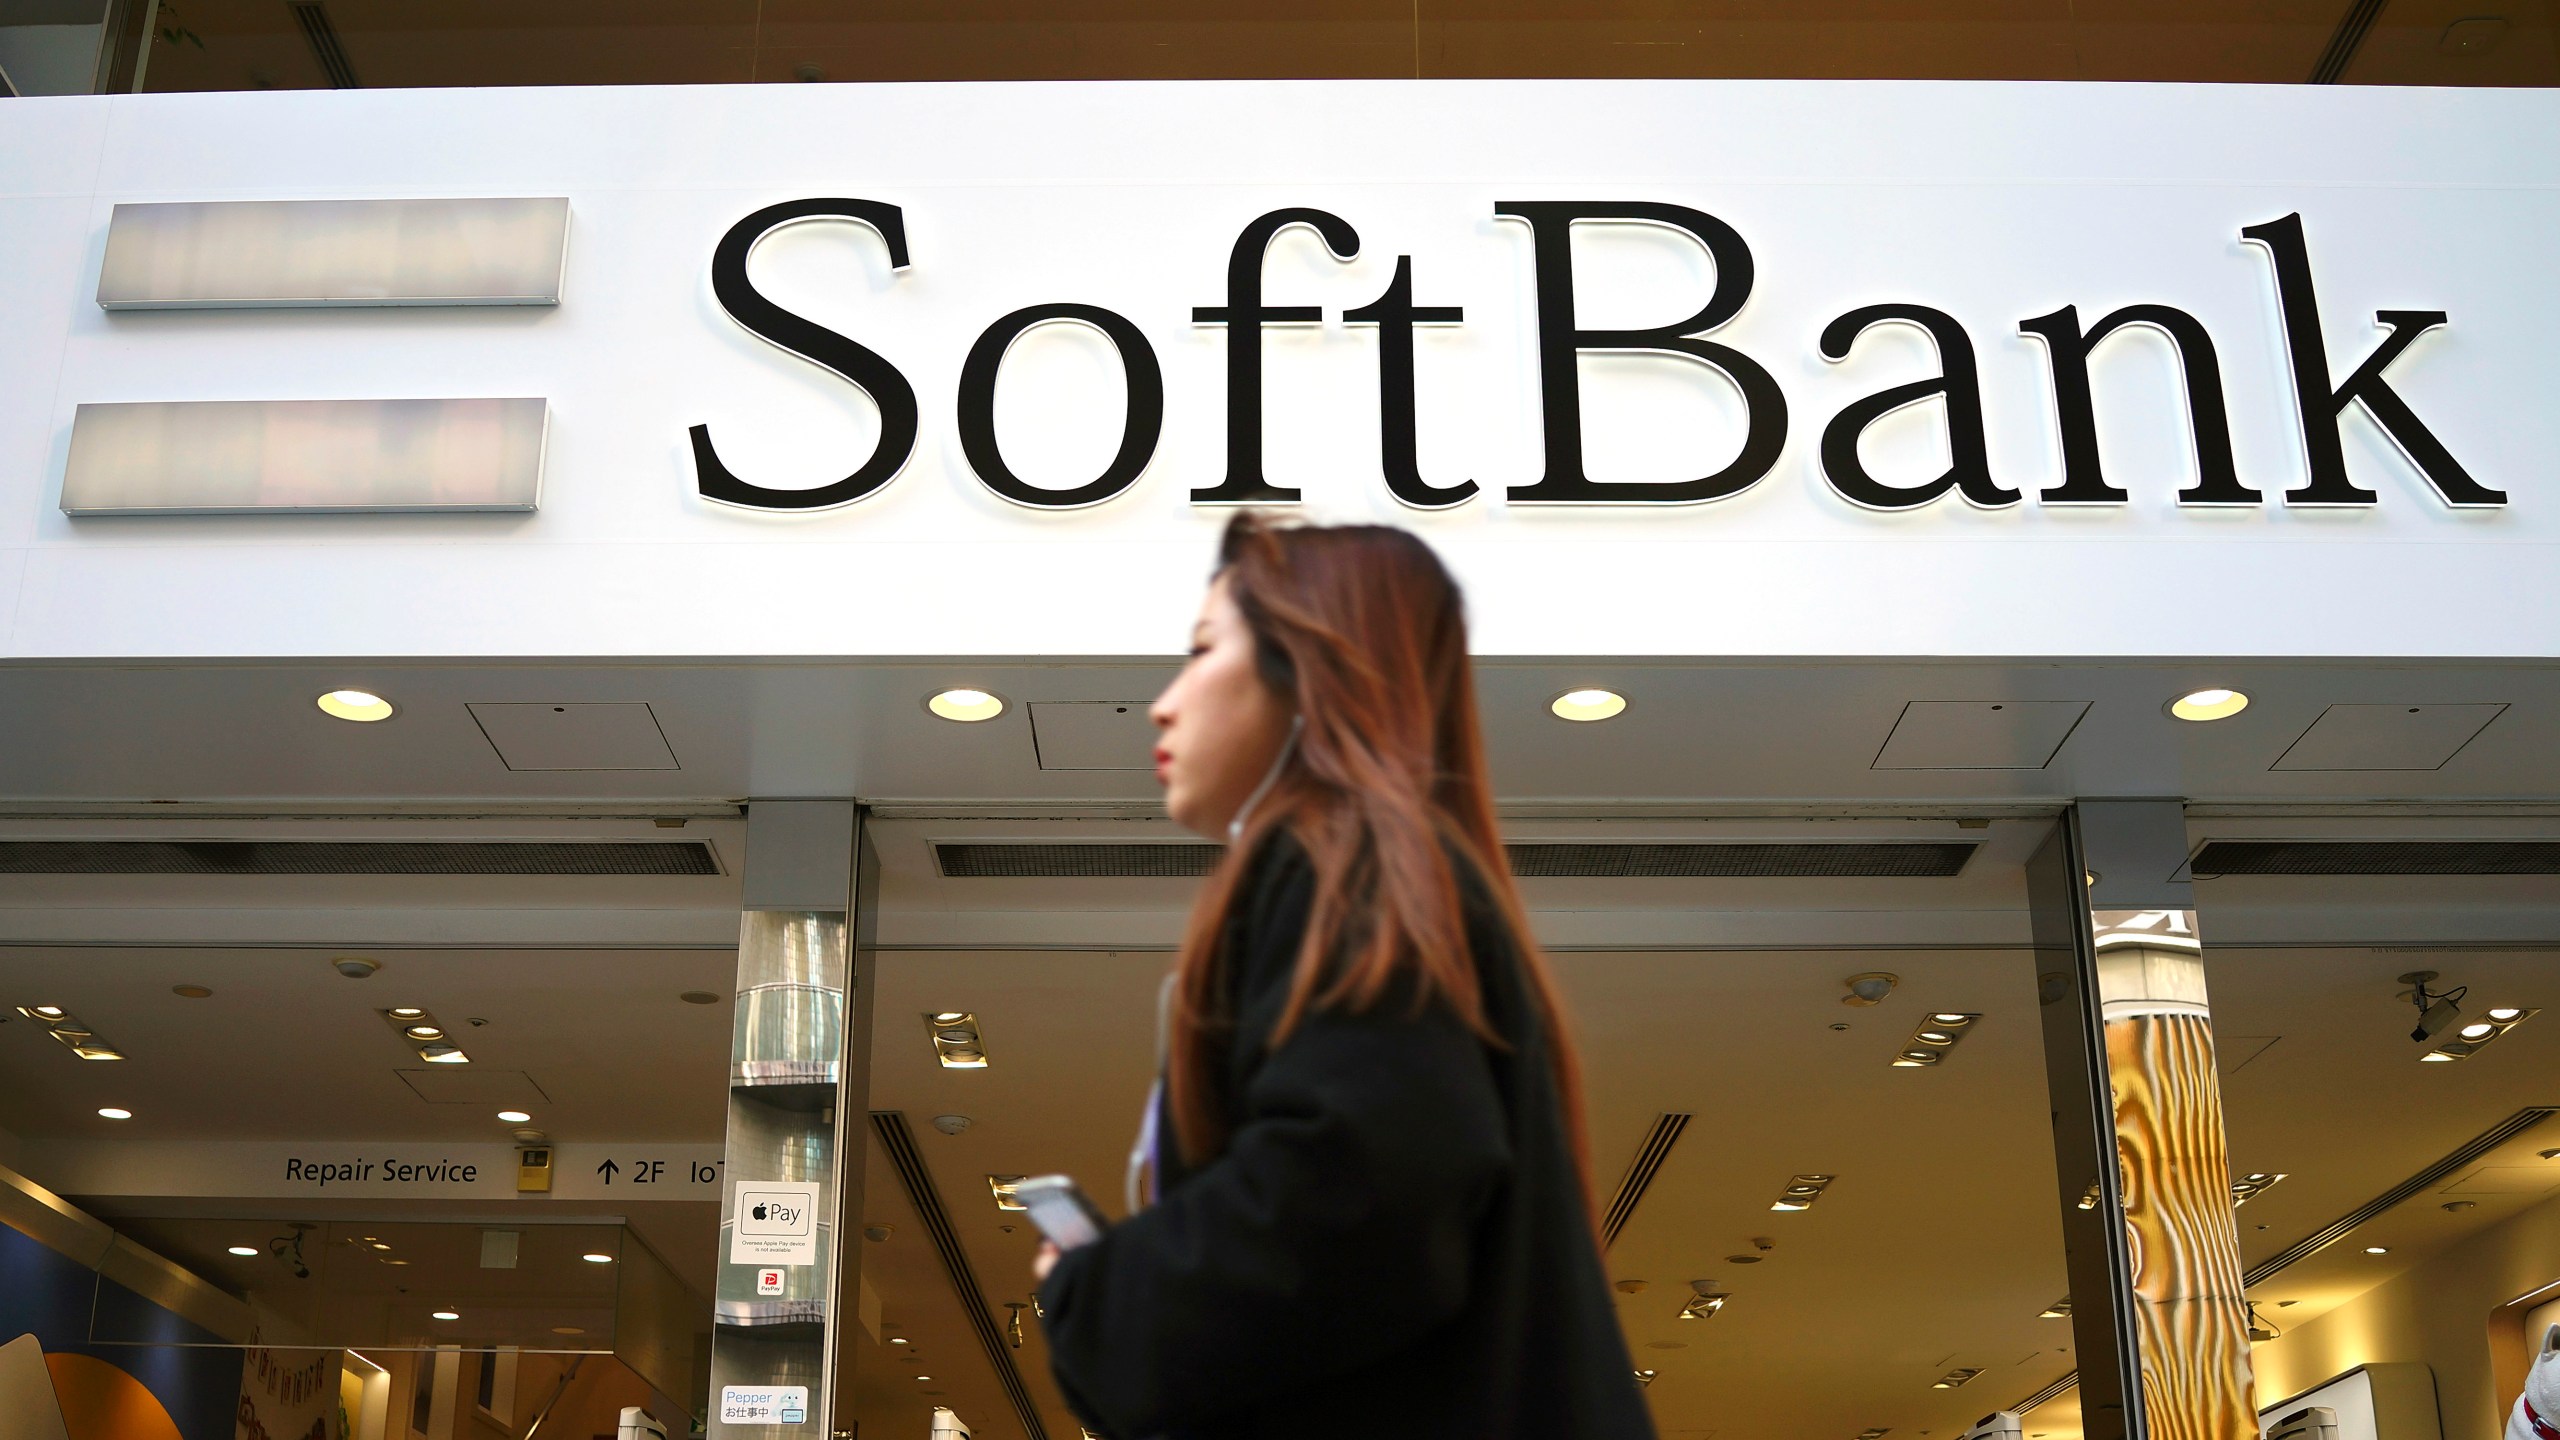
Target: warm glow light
{"x":112,"y":1112}
{"x":2208,"y":704}
{"x":361,"y":706}
{"x":443,"y":1055}
{"x":244,"y":1249}
{"x":444,"y":1315}
{"x":2436,"y":1057}
{"x":405,"y":1012}
{"x":2504,"y":1013}
{"x":965,"y":706}
{"x":2377,"y":1249}
{"x":2478,"y":1029}
{"x":514,"y":1117}
{"x":423,"y":1032}
{"x":50,"y":1012}
{"x":1588,"y":704}
{"x":597,"y":1259}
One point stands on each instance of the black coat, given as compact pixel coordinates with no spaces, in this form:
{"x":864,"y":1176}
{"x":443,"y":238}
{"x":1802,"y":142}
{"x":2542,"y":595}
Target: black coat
{"x":1394,"y":1242}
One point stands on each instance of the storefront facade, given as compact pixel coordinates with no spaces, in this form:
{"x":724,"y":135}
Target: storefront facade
{"x":1899,"y":453}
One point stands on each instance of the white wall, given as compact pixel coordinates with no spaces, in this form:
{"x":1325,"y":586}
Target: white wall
{"x":1993,"y":202}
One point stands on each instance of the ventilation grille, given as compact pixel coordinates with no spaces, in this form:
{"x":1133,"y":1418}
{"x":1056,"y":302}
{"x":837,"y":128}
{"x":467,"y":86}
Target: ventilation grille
{"x":2378,"y":857}
{"x":1725,"y":861}
{"x":900,"y":1145}
{"x":325,"y":48}
{"x":975,"y":861}
{"x":2346,"y":40}
{"x":1649,"y":1157}
{"x":354,"y":857}
{"x":1076,"y":862}
{"x":2454,"y":1163}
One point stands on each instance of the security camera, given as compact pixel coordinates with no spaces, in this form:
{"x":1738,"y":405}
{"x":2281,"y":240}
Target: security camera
{"x":2433,"y":1016}
{"x":355,"y":967}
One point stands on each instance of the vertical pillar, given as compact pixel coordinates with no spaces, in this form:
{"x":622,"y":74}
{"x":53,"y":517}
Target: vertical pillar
{"x":799,"y":1090}
{"x":2144,"y":1176}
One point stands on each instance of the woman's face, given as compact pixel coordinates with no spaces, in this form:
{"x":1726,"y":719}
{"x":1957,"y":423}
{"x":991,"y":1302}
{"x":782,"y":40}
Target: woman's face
{"x":1219,"y":727}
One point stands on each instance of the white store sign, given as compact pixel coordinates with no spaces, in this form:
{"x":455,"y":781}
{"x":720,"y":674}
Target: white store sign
{"x":1665,"y":368}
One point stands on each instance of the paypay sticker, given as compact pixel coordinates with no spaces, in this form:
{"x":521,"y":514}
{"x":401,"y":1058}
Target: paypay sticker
{"x":774,"y":1222}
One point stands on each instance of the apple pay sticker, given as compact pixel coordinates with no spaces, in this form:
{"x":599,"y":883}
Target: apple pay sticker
{"x":775,"y":1222}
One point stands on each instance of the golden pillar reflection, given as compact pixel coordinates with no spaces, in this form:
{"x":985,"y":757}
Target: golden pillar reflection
{"x":2183,"y":1243}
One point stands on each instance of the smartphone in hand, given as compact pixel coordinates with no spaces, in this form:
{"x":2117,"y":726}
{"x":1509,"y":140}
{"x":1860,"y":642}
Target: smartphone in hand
{"x":1060,"y":1209}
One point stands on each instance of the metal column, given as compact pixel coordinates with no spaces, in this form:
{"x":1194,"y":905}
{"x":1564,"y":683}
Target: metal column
{"x":799,"y":1092}
{"x":2158,"y":1313}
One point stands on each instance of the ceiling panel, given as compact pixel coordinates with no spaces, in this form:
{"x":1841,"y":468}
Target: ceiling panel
{"x":249,"y":44}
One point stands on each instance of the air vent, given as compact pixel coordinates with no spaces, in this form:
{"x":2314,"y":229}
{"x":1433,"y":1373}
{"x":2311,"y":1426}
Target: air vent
{"x":899,"y":1144}
{"x":1649,"y":1157}
{"x":1076,"y":862}
{"x":323,"y":35}
{"x":1541,"y":860}
{"x":355,"y":857}
{"x":1739,"y":862}
{"x":2378,"y":857}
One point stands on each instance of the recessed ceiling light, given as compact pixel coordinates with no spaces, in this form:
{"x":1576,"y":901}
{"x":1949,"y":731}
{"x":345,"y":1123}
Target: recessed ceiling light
{"x":404,"y":1012}
{"x":2208,"y":704}
{"x":966,"y":706}
{"x":567,"y":1330}
{"x":1933,"y":1038}
{"x":114,"y":1112}
{"x":243,"y":1249}
{"x":2377,"y":1249}
{"x":50,"y":1012}
{"x":924,"y":1377}
{"x":361,"y":706}
{"x":1587,"y":705}
{"x":514,"y":1117}
{"x":699,"y":997}
{"x":443,"y":1055}
{"x":2479,"y":1035}
{"x":191,"y":992}
{"x":597,"y":1259}
{"x":1801,"y":1192}
{"x":1001,"y":1186}
{"x":2252,"y":1185}
{"x":424,"y":1032}
{"x":957,"y":1042}
{"x":381,"y":1244}
{"x":445,"y":1315}
{"x":897,"y":1340}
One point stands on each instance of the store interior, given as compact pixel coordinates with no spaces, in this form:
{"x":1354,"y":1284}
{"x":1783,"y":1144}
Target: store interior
{"x":1719,"y":985}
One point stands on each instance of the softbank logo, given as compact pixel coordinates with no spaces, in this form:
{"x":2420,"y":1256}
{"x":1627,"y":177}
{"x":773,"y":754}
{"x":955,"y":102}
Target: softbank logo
{"x":2068,"y":342}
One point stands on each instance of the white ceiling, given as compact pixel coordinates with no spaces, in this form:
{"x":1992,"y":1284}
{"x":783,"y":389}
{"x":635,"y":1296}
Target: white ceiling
{"x":1697,"y":735}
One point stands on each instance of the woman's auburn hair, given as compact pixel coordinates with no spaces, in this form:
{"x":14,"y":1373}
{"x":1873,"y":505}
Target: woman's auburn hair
{"x":1362,"y":632}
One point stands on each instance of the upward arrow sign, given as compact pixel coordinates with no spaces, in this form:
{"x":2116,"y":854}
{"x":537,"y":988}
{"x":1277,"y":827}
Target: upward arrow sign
{"x":608,"y":1170}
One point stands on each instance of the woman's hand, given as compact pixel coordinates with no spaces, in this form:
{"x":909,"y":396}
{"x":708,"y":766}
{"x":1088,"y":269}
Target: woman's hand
{"x":1044,"y":1262}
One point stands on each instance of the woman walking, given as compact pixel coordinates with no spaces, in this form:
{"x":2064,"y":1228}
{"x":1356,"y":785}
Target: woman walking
{"x":1370,"y":1208}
